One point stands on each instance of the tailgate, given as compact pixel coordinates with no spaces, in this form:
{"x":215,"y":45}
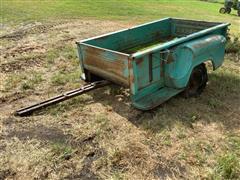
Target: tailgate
{"x":108,"y":64}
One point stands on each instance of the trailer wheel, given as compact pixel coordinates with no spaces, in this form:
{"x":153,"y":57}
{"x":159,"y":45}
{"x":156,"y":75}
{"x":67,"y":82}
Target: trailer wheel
{"x":197,"y":82}
{"x":222,"y":10}
{"x":228,"y":10}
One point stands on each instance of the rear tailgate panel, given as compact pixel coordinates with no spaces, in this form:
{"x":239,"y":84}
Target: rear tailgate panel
{"x":109,"y":64}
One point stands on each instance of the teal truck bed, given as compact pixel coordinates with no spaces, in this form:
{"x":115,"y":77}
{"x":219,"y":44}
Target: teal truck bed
{"x":156,"y":60}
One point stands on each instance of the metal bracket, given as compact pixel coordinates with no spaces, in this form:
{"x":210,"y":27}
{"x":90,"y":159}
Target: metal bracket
{"x":167,"y":51}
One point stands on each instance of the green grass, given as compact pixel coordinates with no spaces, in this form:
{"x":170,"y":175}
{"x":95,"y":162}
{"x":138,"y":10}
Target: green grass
{"x":23,"y":81}
{"x":62,"y":150}
{"x":228,"y":167}
{"x":17,"y":11}
{"x":35,"y":79}
{"x":61,"y":78}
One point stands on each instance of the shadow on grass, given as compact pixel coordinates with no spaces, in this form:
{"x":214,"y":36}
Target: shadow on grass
{"x":219,"y":103}
{"x":40,"y":132}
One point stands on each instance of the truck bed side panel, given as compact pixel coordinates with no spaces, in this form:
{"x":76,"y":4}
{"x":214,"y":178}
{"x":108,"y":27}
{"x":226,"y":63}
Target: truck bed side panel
{"x":123,"y":40}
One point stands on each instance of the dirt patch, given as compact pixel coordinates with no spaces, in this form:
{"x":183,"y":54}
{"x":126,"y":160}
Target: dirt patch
{"x":11,"y":98}
{"x":91,"y":152}
{"x":24,"y":49}
{"x":22,"y":64}
{"x":86,"y":173}
{"x":85,"y":140}
{"x":169,"y":169}
{"x":27,"y":97}
{"x":32,"y":28}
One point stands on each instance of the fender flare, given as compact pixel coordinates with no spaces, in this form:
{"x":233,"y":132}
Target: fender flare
{"x":191,"y":54}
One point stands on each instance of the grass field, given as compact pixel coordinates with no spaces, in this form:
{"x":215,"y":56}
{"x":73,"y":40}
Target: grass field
{"x":127,"y":10}
{"x":99,"y":135}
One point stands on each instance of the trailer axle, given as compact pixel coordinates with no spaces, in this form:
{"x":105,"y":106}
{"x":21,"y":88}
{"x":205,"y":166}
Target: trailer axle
{"x":67,"y":95}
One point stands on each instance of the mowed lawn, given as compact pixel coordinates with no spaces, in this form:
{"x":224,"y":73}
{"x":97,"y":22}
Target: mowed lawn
{"x":99,"y":135}
{"x":130,"y":10}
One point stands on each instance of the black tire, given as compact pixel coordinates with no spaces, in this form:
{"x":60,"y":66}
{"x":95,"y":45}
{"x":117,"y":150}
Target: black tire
{"x":239,"y":12}
{"x":222,"y":10}
{"x":228,"y":10}
{"x":197,"y":82}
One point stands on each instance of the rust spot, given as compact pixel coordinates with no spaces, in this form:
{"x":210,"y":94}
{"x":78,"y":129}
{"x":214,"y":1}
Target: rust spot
{"x":170,"y":59}
{"x":130,"y":60}
{"x":130,"y":68}
{"x":205,"y":42}
{"x":96,"y":61}
{"x":162,"y":69}
{"x":131,"y":79}
{"x":139,"y":61}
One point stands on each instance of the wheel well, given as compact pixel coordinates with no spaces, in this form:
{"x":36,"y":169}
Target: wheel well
{"x":209,"y":64}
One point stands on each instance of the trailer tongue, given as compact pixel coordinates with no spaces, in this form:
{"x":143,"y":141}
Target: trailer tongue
{"x":67,"y":95}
